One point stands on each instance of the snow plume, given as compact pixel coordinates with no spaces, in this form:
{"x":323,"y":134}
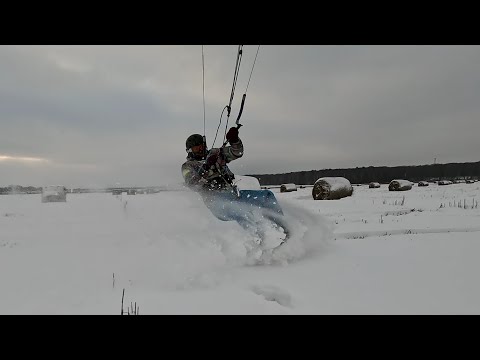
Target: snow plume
{"x":309,"y":234}
{"x":187,"y":247}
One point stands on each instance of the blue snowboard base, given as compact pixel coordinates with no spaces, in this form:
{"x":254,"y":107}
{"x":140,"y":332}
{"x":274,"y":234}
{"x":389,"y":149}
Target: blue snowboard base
{"x":228,"y":206}
{"x":247,"y":208}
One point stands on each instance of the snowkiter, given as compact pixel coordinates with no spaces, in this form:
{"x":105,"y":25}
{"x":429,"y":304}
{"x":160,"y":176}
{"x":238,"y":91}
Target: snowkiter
{"x":207,"y":173}
{"x":206,"y":170}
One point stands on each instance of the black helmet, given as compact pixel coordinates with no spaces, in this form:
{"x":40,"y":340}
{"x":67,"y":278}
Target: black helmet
{"x":194,"y":140}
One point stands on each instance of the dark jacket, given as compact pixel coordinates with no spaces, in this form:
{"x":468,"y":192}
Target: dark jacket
{"x":200,"y":177}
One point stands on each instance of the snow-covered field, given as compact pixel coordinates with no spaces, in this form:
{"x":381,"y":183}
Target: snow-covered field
{"x":376,"y":252}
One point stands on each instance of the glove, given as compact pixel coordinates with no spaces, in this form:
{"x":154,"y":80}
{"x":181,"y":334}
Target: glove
{"x":232,"y":135}
{"x":211,"y":159}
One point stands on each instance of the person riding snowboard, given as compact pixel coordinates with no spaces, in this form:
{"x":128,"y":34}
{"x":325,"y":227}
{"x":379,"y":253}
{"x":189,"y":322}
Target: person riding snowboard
{"x":207,"y":170}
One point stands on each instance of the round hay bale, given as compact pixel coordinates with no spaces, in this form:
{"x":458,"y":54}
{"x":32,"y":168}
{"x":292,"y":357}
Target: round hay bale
{"x":331,"y":188}
{"x":445,"y":182}
{"x":400,"y":185}
{"x":374,"y":185}
{"x":245,"y":182}
{"x":288,"y":187}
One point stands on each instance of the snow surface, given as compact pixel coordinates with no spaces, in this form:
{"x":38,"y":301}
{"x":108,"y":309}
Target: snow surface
{"x":375,"y":252}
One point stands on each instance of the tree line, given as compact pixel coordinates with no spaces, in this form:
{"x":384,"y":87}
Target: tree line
{"x":381,"y":174}
{"x":17,"y":189}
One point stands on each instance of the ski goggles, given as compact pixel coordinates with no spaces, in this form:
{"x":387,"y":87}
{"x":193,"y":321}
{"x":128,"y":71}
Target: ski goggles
{"x":197,"y":149}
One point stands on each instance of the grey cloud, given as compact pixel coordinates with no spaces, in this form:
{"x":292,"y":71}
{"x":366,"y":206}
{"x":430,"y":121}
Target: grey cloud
{"x":126,"y":110}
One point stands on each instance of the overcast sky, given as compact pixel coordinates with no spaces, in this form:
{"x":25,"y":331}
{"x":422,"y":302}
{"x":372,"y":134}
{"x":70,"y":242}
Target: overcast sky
{"x":105,"y":115}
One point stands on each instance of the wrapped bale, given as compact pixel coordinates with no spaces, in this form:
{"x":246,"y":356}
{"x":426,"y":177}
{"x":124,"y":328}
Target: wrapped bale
{"x":423,"y":183}
{"x":288,"y":187}
{"x":374,"y":185}
{"x":445,"y":182}
{"x":400,"y":185}
{"x":245,"y":182}
{"x":54,"y":193}
{"x":331,"y":188}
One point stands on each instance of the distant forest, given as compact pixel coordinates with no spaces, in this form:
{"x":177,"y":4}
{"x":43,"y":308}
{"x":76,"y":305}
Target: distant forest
{"x":382,"y":174}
